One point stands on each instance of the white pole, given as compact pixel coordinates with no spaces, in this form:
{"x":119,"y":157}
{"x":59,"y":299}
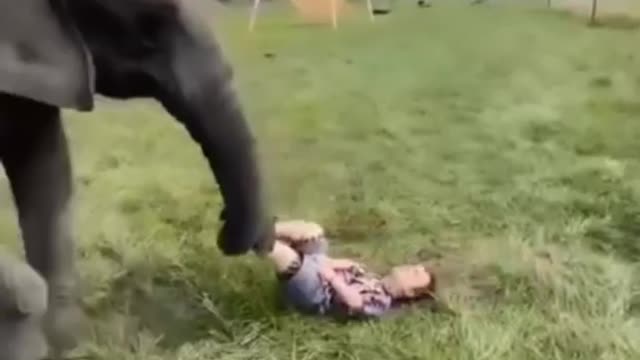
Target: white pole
{"x":254,"y":14}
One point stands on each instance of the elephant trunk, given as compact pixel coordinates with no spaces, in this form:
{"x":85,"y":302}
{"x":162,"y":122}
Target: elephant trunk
{"x":203,"y":99}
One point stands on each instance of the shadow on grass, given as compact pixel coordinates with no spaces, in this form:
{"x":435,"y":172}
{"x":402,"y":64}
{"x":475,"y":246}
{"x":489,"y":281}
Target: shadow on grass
{"x":356,"y":218}
{"x":614,"y":202}
{"x":177,"y":304}
{"x":169,"y":309}
{"x":620,"y":235}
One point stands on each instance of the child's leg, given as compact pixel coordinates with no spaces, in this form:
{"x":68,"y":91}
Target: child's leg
{"x":312,"y":246}
{"x":303,"y":236}
{"x":285,"y":259}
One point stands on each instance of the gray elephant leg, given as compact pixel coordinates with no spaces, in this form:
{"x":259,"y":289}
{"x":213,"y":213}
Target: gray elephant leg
{"x":36,"y":159}
{"x":23,"y":304}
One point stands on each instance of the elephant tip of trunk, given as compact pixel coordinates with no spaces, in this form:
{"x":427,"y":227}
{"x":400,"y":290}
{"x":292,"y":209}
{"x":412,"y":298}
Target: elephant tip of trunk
{"x":260,"y":239}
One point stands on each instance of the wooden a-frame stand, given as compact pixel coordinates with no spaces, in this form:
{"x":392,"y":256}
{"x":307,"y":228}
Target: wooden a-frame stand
{"x":334,"y":13}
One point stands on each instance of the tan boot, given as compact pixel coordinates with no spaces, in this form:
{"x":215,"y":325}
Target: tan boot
{"x":303,"y":236}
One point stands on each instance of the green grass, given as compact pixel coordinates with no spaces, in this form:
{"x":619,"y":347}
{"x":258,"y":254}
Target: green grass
{"x":501,"y":144}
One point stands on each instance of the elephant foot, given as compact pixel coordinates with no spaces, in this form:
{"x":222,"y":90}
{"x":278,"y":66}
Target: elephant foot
{"x":23,"y":304}
{"x":22,"y":338}
{"x":63,"y":325}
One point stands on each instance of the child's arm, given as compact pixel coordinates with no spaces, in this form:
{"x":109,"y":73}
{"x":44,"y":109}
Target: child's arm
{"x":347,"y":294}
{"x":344,"y":264}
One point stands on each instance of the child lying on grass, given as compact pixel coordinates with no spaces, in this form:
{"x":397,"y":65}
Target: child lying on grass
{"x":315,"y":283}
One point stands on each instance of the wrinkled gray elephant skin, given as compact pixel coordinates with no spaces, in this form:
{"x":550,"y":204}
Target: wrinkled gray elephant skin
{"x":58,"y":54}
{"x":22,"y":308}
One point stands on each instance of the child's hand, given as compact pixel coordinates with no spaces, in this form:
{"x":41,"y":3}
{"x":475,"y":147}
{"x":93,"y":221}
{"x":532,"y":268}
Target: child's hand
{"x":298,"y":231}
{"x":349,"y":296}
{"x":327,"y":273}
{"x":346,"y":264}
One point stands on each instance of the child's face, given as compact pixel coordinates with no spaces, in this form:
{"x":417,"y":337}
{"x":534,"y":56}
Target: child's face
{"x":408,"y":281}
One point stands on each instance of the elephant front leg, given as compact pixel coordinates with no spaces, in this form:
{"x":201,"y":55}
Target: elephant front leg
{"x":37,"y":164}
{"x":23,"y":304}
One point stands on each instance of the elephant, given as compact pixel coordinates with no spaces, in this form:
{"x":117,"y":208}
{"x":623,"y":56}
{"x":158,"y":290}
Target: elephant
{"x":62,"y":54}
{"x":23,"y":305}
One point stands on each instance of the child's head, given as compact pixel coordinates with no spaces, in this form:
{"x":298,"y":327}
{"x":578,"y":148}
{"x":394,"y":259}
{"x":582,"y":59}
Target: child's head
{"x":408,"y":282}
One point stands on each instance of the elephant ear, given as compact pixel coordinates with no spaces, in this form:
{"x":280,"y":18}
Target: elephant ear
{"x":42,"y":55}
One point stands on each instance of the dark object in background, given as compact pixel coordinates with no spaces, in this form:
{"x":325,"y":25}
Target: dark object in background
{"x":381,"y":11}
{"x":381,"y":7}
{"x":424,"y":3}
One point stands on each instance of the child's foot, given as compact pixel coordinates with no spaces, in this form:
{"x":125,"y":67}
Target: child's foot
{"x":299,"y":233}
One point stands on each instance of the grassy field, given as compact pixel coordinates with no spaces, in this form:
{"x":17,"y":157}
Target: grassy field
{"x":502,"y":145}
